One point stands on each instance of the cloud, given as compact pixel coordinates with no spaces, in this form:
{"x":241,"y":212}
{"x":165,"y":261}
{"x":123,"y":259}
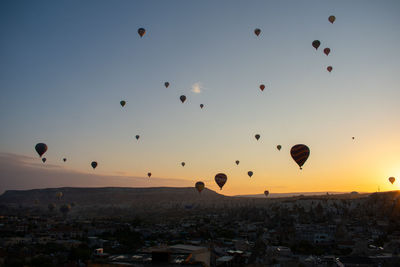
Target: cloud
{"x":197,"y":88}
{"x":21,"y":172}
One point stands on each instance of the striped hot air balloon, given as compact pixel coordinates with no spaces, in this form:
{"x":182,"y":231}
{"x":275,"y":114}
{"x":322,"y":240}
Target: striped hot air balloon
{"x":300,"y":154}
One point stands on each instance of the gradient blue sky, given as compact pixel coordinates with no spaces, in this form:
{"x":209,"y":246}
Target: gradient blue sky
{"x":65,"y":65}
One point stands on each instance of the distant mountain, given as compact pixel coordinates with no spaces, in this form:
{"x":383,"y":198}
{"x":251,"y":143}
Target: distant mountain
{"x":282,"y":195}
{"x":107,"y":196}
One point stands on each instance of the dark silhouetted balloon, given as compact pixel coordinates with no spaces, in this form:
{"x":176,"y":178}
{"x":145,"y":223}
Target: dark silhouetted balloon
{"x":329,"y":68}
{"x":266,"y":193}
{"x":201,"y":106}
{"x":300,"y":154}
{"x":199,"y":186}
{"x":279,"y":147}
{"x":141,"y":32}
{"x":149,"y":174}
{"x":262,"y":87}
{"x":64,"y":159}
{"x":44,"y":160}
{"x":182,"y":98}
{"x":183,"y":164}
{"x":332,"y":19}
{"x":137,"y":137}
{"x":41,"y":148}
{"x":352,"y":138}
{"x":94,"y":164}
{"x":123,"y":103}
{"x":392,"y":179}
{"x":327,"y":51}
{"x":250,"y":173}
{"x":220,"y":179}
{"x":257,"y":32}
{"x":166,"y":84}
{"x":316,"y":44}
{"x":257,"y":136}
{"x":237,"y":162}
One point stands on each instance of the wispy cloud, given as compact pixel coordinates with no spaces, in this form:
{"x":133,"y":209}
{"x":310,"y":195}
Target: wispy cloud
{"x":197,"y":88}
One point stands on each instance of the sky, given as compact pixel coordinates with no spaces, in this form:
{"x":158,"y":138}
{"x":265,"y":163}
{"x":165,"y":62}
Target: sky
{"x":66,"y":65}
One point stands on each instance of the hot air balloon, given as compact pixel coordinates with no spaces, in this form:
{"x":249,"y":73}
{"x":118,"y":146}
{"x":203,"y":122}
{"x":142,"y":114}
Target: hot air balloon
{"x":257,"y":32}
{"x":166,"y":84}
{"x":182,"y":98}
{"x":201,"y":106}
{"x":257,"y":136}
{"x":250,"y":173}
{"x":279,"y":147}
{"x":141,"y":32}
{"x":44,"y":160}
{"x":332,"y":19}
{"x":237,"y":162}
{"x":316,"y":44}
{"x":220,"y":179}
{"x":327,"y":51}
{"x":262,"y":87}
{"x":64,"y":159}
{"x":183,"y":164}
{"x":392,"y":179}
{"x":329,"y":68}
{"x":149,"y":174}
{"x":199,"y":186}
{"x":137,"y":137}
{"x":352,"y":138}
{"x":266,"y":193}
{"x":94,"y":164}
{"x":123,"y":103}
{"x":41,"y":148}
{"x":300,"y":154}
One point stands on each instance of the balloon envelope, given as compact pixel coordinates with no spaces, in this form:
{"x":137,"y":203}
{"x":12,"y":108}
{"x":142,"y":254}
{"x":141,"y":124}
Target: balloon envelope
{"x":332,"y":19}
{"x":329,"y":68}
{"x":392,"y":179}
{"x":257,"y":32}
{"x":316,"y":44}
{"x":250,"y":173}
{"x":266,"y":193}
{"x":122,"y":103}
{"x":166,"y":84}
{"x":201,"y":105}
{"x":149,"y":174}
{"x":94,"y":164}
{"x":41,"y":148}
{"x":141,"y":32}
{"x":279,"y":147}
{"x":237,"y":162}
{"x":300,"y":154}
{"x":257,"y":136}
{"x":327,"y":51}
{"x":137,"y":137}
{"x":220,"y":179}
{"x":262,"y":87}
{"x":182,"y":98}
{"x":199,"y":186}
{"x":64,"y":159}
{"x":183,"y":164}
{"x":44,"y":160}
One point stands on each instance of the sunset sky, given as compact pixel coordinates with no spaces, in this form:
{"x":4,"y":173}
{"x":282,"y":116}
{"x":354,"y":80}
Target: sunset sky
{"x":66,"y":65}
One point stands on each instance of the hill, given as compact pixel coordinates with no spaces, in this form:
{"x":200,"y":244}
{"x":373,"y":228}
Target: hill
{"x":107,"y":196}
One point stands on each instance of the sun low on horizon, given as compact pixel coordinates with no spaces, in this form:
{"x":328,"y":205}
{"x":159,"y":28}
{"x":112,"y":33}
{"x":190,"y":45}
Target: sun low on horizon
{"x":101,"y":81}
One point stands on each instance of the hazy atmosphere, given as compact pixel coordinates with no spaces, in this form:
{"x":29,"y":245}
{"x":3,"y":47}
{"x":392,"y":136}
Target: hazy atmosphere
{"x":66,"y":65}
